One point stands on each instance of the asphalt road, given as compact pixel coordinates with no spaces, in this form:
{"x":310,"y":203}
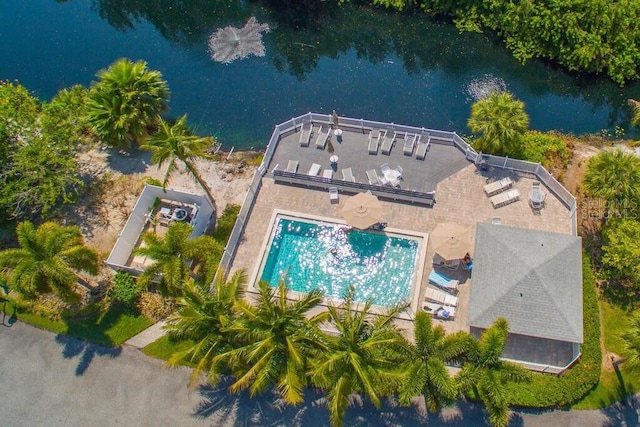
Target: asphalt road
{"x":56,"y":381}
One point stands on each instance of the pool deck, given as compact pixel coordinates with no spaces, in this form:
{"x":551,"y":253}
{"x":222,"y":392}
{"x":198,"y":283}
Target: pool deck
{"x":459,"y":198}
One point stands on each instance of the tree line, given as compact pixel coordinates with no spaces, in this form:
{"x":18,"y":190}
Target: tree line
{"x":588,"y":36}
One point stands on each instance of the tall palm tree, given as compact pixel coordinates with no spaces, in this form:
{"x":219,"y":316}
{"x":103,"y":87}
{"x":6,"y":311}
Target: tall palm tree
{"x":635,"y":109}
{"x":278,"y":340}
{"x":631,"y":338}
{"x":175,"y":143}
{"x":362,"y":358}
{"x":487,"y":375}
{"x":501,"y":121}
{"x":125,"y":102}
{"x":204,"y":317}
{"x":47,"y":260}
{"x":614,"y":176}
{"x":427,"y":373}
{"x":171,"y":254}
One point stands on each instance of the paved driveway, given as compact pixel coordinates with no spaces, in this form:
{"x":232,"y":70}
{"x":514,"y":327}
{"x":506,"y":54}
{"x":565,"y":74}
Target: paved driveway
{"x":56,"y":381}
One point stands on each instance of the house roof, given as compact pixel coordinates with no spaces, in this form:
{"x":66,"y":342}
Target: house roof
{"x":532,"y":278}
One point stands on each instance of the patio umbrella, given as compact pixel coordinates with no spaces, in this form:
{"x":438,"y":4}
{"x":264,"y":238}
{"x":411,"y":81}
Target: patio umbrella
{"x":362,"y":210}
{"x":450,"y":240}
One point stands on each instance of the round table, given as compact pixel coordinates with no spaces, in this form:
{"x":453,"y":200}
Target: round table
{"x":337,"y":132}
{"x":333,"y":159}
{"x":537,"y":196}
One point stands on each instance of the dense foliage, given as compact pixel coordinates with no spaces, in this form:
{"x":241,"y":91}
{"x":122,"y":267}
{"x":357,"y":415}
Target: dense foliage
{"x":631,"y":339}
{"x":545,"y":148}
{"x":125,"y":290}
{"x":621,"y":252}
{"x":38,"y":170}
{"x":614,"y":176}
{"x":594,"y":36}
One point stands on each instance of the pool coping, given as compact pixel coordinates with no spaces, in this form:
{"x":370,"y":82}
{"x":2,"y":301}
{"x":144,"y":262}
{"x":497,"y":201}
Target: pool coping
{"x":416,"y":283}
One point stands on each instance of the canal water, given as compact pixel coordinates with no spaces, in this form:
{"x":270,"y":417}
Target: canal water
{"x":318,"y":57}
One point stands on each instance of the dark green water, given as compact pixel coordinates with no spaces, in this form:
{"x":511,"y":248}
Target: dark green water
{"x":319,"y":57}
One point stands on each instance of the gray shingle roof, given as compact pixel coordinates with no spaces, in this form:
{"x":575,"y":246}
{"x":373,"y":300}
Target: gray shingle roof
{"x":532,"y":278}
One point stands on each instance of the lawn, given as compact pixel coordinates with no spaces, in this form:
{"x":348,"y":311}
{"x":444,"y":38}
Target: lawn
{"x":613,"y":385}
{"x":164,"y":347}
{"x":108,"y":328}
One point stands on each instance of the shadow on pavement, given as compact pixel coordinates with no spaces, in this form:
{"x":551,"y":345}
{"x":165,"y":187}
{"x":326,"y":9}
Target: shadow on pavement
{"x":73,"y":347}
{"x":624,"y":413}
{"x":224,"y":408}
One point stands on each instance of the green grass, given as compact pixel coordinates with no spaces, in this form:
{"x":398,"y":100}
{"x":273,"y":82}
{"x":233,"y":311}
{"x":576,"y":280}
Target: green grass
{"x":110,"y":328}
{"x":613,"y":385}
{"x":164,"y":347}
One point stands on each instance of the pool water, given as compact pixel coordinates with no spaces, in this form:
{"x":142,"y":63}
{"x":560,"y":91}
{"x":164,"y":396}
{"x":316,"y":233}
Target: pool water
{"x":330,"y":257}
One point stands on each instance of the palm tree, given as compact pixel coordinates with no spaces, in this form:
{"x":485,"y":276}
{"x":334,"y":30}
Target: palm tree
{"x":427,"y":373}
{"x":487,"y":375}
{"x":614,"y":176}
{"x":171,"y":254}
{"x":635,"y":109}
{"x":204,"y":316}
{"x":631,"y":338}
{"x":47,"y":259}
{"x":173,"y":143}
{"x":125,"y":102}
{"x":364,"y":357}
{"x":279,"y":340}
{"x":501,"y":121}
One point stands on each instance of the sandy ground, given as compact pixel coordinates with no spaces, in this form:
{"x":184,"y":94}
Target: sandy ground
{"x":116,"y":179}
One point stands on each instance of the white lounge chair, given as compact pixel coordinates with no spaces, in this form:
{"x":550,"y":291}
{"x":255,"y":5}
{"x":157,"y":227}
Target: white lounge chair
{"x":409,"y":144}
{"x":505,"y":198}
{"x":347,"y":175}
{"x":423,"y":147}
{"x":292,"y":166}
{"x":327,"y":173}
{"x":374,"y":140}
{"x":496,"y":187}
{"x":442,"y":297}
{"x":314,"y":170}
{"x":333,"y":194}
{"x":388,"y":142}
{"x":323,"y":137}
{"x":439,"y":311}
{"x":305,"y":134}
{"x":372,"y":176}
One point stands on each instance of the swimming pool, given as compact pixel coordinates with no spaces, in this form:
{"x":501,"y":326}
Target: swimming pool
{"x":328,"y":256}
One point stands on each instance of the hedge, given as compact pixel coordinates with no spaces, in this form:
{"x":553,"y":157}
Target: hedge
{"x":547,"y":390}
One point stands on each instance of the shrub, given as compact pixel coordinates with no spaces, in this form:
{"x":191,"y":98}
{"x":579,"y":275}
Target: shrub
{"x":154,"y":306}
{"x":549,"y":391}
{"x":225,"y":223}
{"x":545,"y":148}
{"x":125,"y":289}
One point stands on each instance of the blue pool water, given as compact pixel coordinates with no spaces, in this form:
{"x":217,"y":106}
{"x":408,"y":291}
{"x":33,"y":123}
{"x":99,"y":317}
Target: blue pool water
{"x":320,"y":255}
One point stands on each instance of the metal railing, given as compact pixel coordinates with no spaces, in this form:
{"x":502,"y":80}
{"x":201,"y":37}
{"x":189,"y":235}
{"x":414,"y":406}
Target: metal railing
{"x":355,"y":187}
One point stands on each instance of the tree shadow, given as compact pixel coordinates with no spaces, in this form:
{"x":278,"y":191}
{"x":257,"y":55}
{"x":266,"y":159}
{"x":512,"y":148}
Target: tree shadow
{"x":625,"y":412}
{"x":127,"y":162}
{"x":225,"y":408}
{"x":73,"y":347}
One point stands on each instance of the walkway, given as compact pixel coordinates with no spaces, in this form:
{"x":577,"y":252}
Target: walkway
{"x":56,"y":381}
{"x":148,"y":336}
